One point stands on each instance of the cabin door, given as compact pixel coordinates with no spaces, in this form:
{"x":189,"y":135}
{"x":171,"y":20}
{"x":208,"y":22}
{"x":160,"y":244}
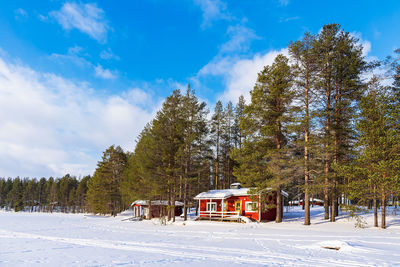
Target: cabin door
{"x":238,"y":207}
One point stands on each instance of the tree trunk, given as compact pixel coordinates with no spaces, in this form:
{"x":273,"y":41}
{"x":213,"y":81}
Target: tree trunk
{"x":173,"y":206}
{"x":383,"y":206}
{"x":375,"y":208}
{"x":169,"y":204}
{"x":278,"y":206}
{"x":326,"y":192}
{"x":150,"y":213}
{"x":306,"y":199}
{"x":327,"y":157}
{"x":185,"y":202}
{"x":217,"y":162}
{"x":334,"y":206}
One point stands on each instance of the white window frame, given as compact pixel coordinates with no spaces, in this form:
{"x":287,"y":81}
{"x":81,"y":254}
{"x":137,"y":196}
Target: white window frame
{"x":210,"y":205}
{"x":247,"y":203}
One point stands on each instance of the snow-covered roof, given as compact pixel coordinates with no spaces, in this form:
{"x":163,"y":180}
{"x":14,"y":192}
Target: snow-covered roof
{"x":225,"y":193}
{"x":155,"y":203}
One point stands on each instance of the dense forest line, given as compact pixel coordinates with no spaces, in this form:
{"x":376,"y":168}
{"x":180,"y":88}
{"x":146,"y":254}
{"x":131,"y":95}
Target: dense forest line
{"x":66,"y":194}
{"x":318,"y":125}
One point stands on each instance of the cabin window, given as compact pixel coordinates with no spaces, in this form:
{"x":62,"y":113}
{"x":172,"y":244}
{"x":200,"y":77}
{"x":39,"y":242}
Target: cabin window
{"x":251,"y":206}
{"x":211,"y":206}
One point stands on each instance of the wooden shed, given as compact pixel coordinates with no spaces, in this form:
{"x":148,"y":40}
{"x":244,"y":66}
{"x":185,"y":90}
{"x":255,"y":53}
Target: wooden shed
{"x":313,"y":201}
{"x":232,"y":203}
{"x":142,"y":209}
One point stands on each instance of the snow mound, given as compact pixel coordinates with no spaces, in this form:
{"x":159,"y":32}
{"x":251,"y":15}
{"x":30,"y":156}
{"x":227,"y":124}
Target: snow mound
{"x":126,"y":213}
{"x":338,"y":245}
{"x":244,"y":219}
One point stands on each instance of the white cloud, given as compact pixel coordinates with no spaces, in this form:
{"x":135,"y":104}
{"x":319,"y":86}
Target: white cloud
{"x":287,"y":19}
{"x":240,"y":39}
{"x":43,"y":18}
{"x":239,"y":75}
{"x":20,"y":14}
{"x":52,"y":126}
{"x":365,"y":44}
{"x":284,"y":2}
{"x":73,"y":56}
{"x":108,"y":54}
{"x":87,"y":18}
{"x":104,"y":73}
{"x":137,"y":96}
{"x":212,"y":10}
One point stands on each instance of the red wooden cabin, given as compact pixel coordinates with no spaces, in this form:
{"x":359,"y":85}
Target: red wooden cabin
{"x":313,"y":201}
{"x":237,"y":201}
{"x":142,"y":209}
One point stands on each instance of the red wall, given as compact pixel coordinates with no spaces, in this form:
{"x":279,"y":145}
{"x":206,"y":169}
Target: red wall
{"x":267,"y":215}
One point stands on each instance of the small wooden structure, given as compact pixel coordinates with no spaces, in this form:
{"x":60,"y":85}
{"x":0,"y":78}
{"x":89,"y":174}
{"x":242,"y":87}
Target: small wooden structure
{"x":231,"y":204}
{"x":141,"y":208}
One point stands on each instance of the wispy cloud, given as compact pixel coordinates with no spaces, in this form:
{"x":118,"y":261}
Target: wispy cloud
{"x":213,"y":10}
{"x":20,"y":14}
{"x":50,"y":125}
{"x":240,"y":38}
{"x":283,"y":2}
{"x":108,"y":54}
{"x":105,"y":73}
{"x":87,"y":18}
{"x":289,"y":19}
{"x":74,"y":56}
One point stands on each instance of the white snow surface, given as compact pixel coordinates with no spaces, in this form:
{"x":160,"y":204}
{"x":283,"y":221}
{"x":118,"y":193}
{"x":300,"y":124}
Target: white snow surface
{"x":43,"y":239}
{"x":155,"y":202}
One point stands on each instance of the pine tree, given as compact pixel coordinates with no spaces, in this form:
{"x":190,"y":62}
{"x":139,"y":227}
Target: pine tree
{"x":15,"y":195}
{"x":305,"y":71}
{"x":238,"y":116}
{"x":339,"y":65}
{"x":376,"y":171}
{"x":103,"y":189}
{"x":194,"y":128}
{"x":216,"y":132}
{"x":263,"y":157}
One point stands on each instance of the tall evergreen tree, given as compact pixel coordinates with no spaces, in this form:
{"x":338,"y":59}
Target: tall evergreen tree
{"x":303,"y":53}
{"x":263,"y":156}
{"x":103,"y":189}
{"x":340,"y":64}
{"x":375,"y":173}
{"x":216,"y":133}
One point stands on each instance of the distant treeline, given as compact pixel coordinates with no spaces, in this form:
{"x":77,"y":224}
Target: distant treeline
{"x":319,"y":124}
{"x":66,"y":194}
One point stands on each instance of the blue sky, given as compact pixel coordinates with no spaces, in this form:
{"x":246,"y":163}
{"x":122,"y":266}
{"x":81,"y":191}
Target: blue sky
{"x":77,"y":76}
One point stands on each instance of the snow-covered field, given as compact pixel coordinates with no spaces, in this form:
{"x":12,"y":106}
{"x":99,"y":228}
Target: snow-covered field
{"x":41,"y":239}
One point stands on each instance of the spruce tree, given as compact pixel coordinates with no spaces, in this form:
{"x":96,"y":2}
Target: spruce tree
{"x":103,"y":189}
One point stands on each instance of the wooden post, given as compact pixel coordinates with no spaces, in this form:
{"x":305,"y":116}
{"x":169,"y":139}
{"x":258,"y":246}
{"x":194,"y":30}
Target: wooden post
{"x":222,"y":207}
{"x":209,"y":212}
{"x":259,"y":208}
